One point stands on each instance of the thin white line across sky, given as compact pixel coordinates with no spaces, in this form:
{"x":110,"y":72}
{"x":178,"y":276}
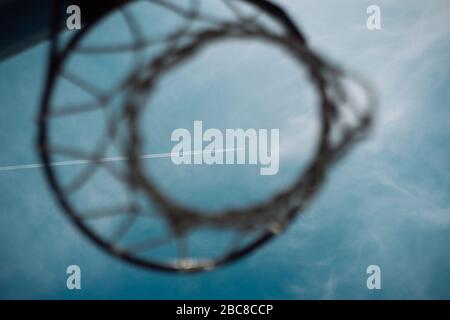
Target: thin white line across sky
{"x":110,"y":159}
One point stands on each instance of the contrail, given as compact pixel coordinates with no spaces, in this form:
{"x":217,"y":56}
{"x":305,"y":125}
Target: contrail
{"x":111,"y":159}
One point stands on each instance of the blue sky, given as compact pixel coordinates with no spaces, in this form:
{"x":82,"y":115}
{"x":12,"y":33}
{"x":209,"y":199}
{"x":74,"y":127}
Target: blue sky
{"x":386,"y":203}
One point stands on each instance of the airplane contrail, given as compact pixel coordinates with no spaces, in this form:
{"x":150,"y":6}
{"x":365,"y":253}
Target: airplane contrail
{"x":110,"y":159}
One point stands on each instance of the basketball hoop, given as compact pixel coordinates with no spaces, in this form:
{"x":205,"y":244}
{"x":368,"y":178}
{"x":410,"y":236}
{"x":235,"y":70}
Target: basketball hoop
{"x":344,"y":121}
